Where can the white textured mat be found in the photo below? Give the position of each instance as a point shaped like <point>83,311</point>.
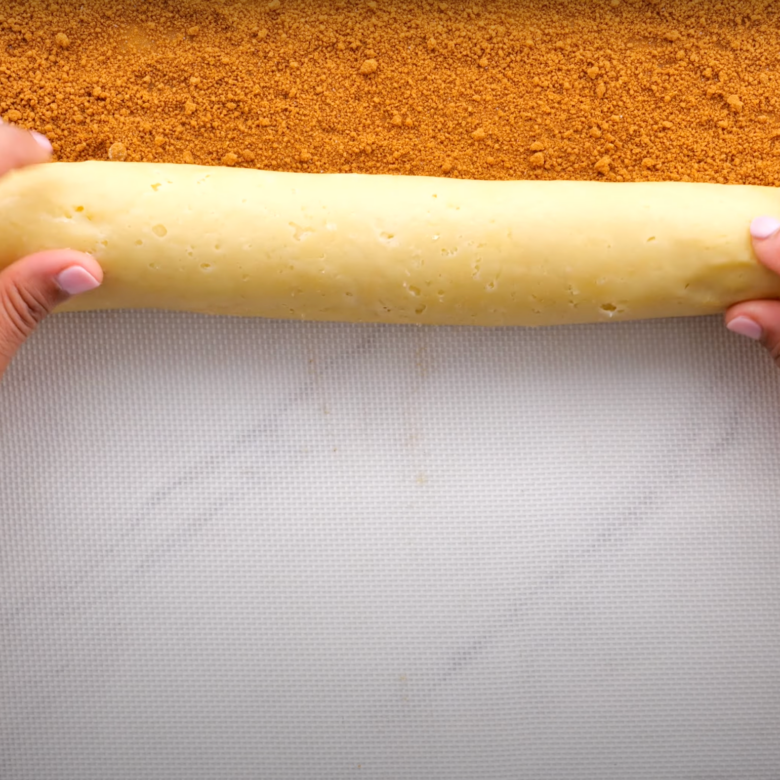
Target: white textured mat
<point>247,549</point>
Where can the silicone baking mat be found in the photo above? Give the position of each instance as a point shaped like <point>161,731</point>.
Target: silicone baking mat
<point>251,549</point>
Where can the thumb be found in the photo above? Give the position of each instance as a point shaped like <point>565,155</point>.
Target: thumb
<point>32,287</point>
<point>760,320</point>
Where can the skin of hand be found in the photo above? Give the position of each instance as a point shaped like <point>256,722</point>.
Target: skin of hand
<point>760,320</point>
<point>32,286</point>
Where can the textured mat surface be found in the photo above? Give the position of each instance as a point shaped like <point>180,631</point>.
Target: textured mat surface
<point>248,549</point>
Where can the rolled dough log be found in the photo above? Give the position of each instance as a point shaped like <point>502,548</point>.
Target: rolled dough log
<point>394,249</point>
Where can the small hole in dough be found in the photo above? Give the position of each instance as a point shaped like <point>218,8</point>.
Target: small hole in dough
<point>414,290</point>
<point>160,230</point>
<point>156,187</point>
<point>205,266</point>
<point>349,295</point>
<point>420,309</point>
<point>79,208</point>
<point>652,238</point>
<point>300,233</point>
<point>610,308</point>
<point>139,242</point>
<point>490,286</point>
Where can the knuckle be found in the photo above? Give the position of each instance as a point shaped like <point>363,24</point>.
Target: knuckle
<point>22,309</point>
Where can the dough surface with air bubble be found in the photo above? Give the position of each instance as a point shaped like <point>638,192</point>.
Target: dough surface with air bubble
<point>395,249</point>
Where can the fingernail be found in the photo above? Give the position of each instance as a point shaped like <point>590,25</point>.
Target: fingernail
<point>746,327</point>
<point>43,141</point>
<point>75,280</point>
<point>763,227</point>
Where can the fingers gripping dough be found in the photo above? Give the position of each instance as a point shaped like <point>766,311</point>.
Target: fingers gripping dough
<point>391,248</point>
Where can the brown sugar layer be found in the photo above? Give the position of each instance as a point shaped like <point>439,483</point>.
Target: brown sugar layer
<point>620,90</point>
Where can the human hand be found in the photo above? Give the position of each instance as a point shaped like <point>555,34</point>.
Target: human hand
<point>32,286</point>
<point>760,320</point>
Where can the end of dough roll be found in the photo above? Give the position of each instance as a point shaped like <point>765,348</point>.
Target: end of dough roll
<point>360,248</point>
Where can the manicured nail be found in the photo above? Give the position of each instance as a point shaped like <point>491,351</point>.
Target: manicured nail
<point>75,280</point>
<point>763,227</point>
<point>43,141</point>
<point>746,327</point>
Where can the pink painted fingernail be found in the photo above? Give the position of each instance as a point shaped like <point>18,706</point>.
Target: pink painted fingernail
<point>75,280</point>
<point>763,227</point>
<point>744,326</point>
<point>43,141</point>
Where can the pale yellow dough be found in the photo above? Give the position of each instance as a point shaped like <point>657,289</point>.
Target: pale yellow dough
<point>391,249</point>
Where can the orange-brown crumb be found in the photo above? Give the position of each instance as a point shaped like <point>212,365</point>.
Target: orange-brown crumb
<point>497,89</point>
